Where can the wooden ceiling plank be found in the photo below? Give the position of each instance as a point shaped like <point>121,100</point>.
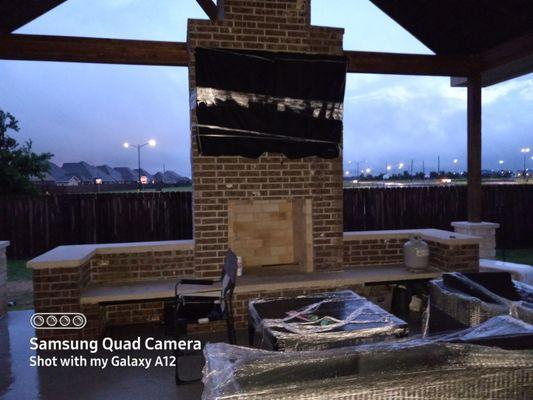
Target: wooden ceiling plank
<point>501,63</point>
<point>17,13</point>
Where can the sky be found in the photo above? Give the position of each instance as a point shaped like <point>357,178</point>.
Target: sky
<point>87,111</point>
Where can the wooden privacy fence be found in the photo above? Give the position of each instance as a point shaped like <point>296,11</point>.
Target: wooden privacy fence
<point>436,207</point>
<point>35,224</point>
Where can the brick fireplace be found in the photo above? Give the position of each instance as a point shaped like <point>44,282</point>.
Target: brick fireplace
<point>273,211</point>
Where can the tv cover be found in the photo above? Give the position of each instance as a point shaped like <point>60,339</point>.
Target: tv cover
<point>252,102</point>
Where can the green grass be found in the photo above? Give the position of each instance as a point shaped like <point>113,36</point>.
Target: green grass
<point>519,256</point>
<point>17,271</point>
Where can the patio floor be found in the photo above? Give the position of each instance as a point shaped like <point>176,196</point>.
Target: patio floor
<point>19,381</point>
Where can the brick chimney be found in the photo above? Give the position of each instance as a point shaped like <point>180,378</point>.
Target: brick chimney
<point>271,210</point>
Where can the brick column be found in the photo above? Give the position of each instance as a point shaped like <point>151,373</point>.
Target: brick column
<point>484,230</point>
<point>57,290</point>
<point>3,278</point>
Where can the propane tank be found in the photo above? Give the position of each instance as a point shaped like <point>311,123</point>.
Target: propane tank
<point>416,254</point>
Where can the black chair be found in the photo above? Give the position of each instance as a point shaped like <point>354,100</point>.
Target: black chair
<point>204,308</point>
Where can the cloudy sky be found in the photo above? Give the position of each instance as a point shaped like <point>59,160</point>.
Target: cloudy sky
<point>86,111</point>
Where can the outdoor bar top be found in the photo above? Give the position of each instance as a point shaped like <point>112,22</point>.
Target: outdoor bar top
<point>75,255</point>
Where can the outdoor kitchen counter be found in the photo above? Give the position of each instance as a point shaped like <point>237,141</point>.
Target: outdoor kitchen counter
<point>254,283</point>
<point>76,255</point>
<point>435,235</point>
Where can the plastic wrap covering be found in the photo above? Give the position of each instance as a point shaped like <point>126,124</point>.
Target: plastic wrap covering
<point>251,102</point>
<point>321,321</point>
<point>467,300</point>
<point>415,369</point>
<point>503,331</point>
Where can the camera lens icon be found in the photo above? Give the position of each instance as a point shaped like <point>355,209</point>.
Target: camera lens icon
<point>67,320</point>
<point>51,320</point>
<point>78,321</point>
<point>37,321</point>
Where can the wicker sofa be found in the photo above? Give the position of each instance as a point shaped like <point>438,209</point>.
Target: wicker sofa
<point>443,367</point>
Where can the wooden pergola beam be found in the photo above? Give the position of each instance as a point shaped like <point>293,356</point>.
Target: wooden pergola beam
<point>92,50</point>
<point>410,64</point>
<point>212,10</point>
<point>17,13</point>
<point>508,61</point>
<point>143,52</point>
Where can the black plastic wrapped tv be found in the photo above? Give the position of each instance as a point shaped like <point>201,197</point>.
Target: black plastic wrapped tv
<point>252,102</point>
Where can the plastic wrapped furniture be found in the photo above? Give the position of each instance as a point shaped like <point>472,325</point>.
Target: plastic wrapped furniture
<point>321,321</point>
<point>431,368</point>
<point>463,300</point>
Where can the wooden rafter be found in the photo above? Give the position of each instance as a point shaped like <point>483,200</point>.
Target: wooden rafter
<point>410,64</point>
<point>504,62</point>
<point>17,13</point>
<point>210,8</point>
<point>92,50</point>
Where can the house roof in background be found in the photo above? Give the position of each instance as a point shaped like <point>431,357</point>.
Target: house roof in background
<point>170,177</point>
<point>127,174</point>
<point>112,172</point>
<point>85,172</point>
<point>144,173</point>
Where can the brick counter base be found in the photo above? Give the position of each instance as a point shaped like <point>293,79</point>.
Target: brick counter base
<point>152,311</point>
<point>383,251</point>
<point>59,290</point>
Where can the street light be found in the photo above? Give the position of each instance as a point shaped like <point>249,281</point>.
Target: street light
<point>400,166</point>
<point>455,161</point>
<point>501,162</point>
<point>127,145</point>
<point>524,151</point>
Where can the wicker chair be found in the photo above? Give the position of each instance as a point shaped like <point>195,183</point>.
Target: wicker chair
<point>465,300</point>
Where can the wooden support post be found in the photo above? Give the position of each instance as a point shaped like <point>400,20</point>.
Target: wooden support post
<point>474,148</point>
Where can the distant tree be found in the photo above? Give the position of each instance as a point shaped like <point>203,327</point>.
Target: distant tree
<point>18,162</point>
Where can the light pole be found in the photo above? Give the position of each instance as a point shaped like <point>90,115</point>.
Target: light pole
<point>455,161</point>
<point>524,151</point>
<point>501,162</point>
<point>150,143</point>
